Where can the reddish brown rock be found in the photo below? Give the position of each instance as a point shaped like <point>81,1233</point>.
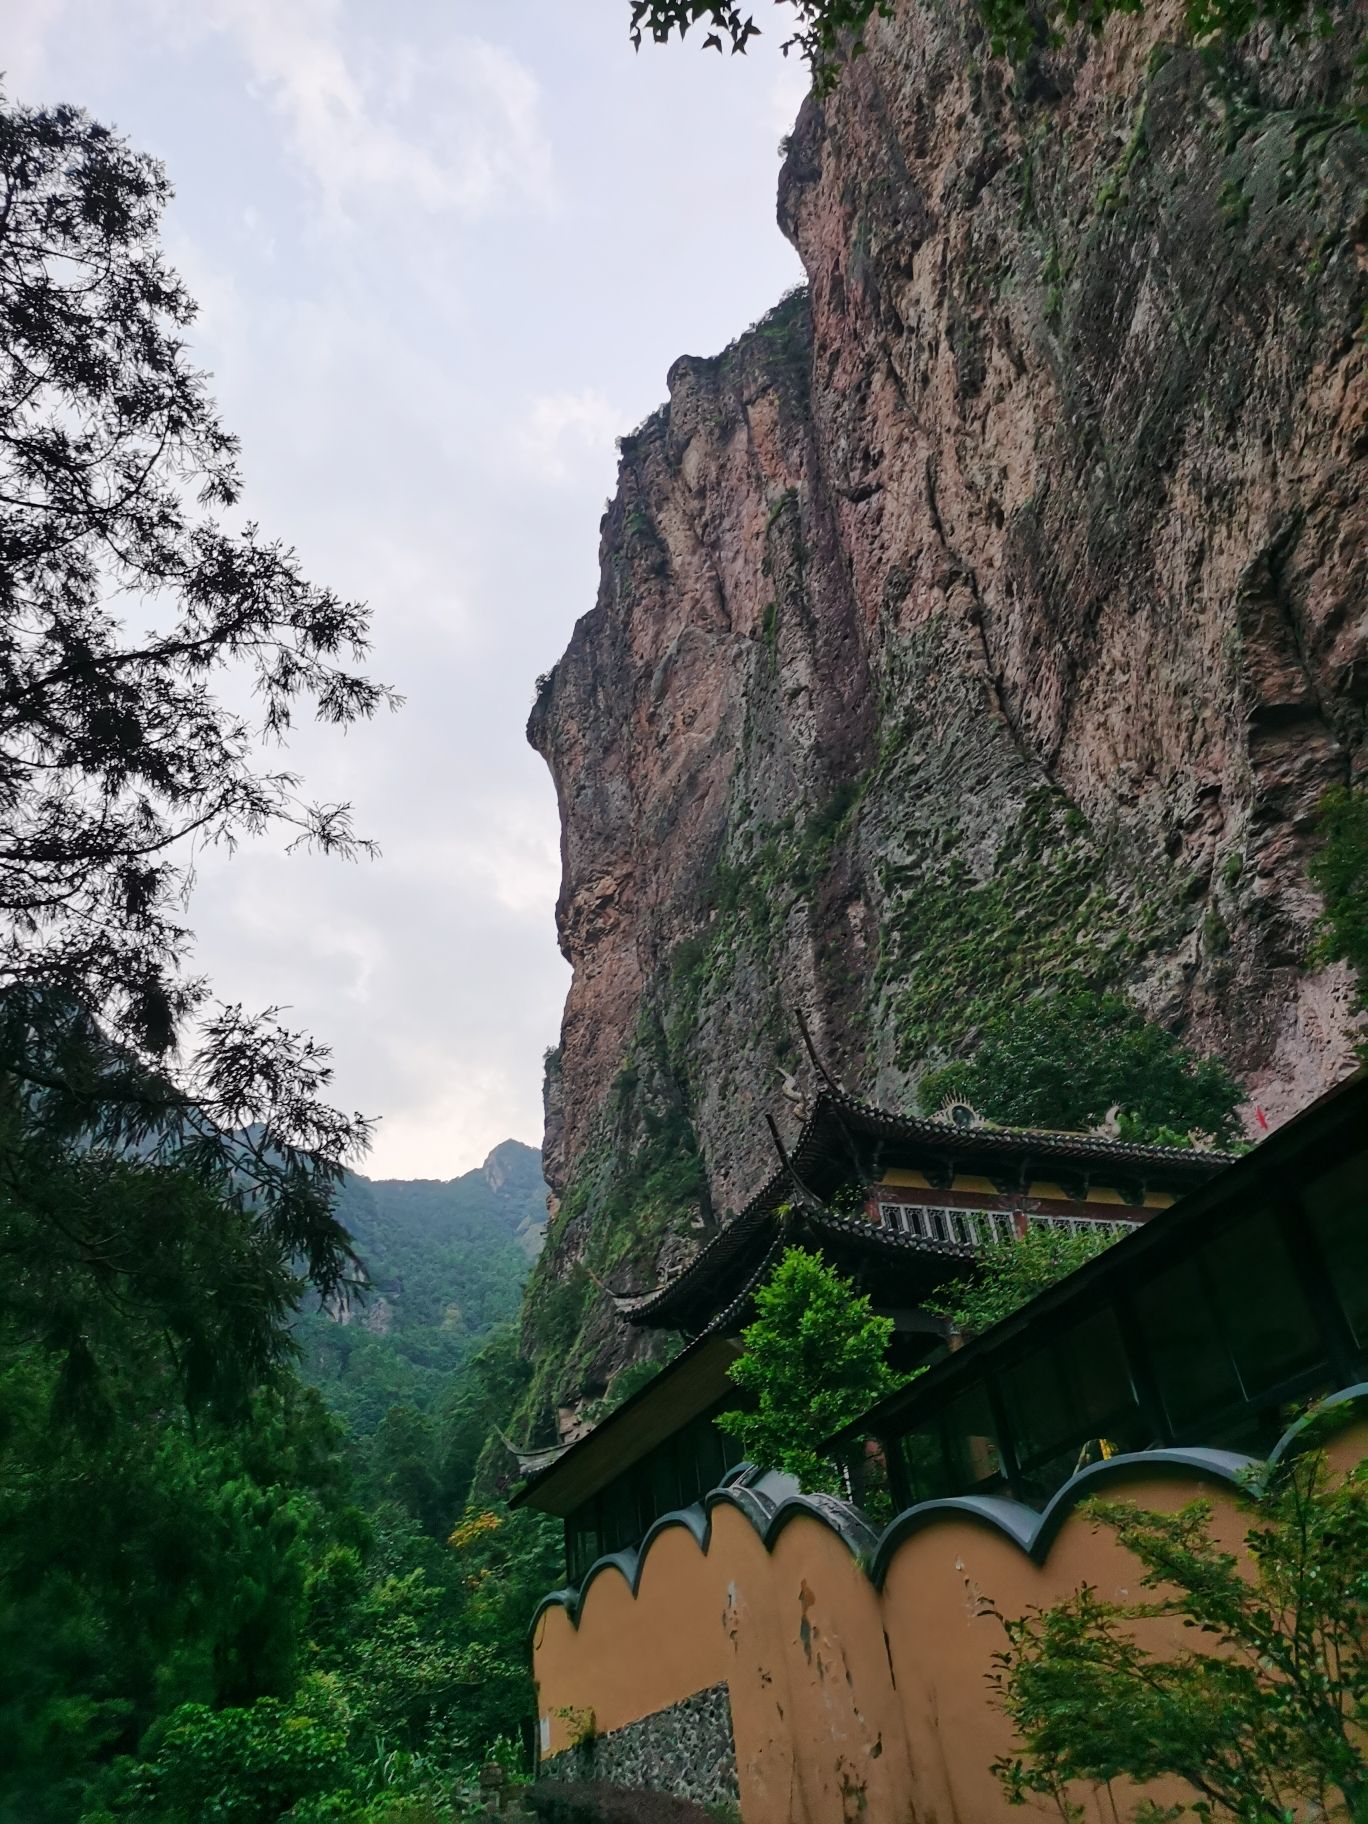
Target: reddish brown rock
<point>995,608</point>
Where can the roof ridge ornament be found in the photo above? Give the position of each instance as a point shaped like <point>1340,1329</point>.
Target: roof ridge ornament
<point>603,1285</point>
<point>791,1092</point>
<point>530,1462</point>
<point>956,1112</point>
<point>817,1064</point>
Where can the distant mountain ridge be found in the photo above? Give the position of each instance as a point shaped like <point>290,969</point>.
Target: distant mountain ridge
<point>445,1261</point>
<point>505,1196</point>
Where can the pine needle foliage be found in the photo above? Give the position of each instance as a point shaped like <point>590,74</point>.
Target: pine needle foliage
<point>815,1358</point>
<point>127,600</point>
<point>1260,1717</point>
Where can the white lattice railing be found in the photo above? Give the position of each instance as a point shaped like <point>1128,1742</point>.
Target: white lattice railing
<point>980,1228</point>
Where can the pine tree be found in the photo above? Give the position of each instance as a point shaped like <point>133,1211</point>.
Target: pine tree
<point>124,600</point>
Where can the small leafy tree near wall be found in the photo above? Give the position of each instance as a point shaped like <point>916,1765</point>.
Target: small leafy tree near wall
<point>815,1358</point>
<point>1264,1722</point>
<point>1010,1273</point>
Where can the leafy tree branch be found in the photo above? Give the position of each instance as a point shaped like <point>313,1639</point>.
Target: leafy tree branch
<point>125,601</point>
<point>1260,1716</point>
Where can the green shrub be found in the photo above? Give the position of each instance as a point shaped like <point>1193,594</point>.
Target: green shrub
<point>1258,1712</point>
<point>1062,1060</point>
<point>237,1766</point>
<point>1008,1274</point>
<point>815,1357</point>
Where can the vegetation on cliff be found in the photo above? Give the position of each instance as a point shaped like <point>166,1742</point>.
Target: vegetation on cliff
<point>1340,871</point>
<point>828,32</point>
<point>640,1183</point>
<point>1071,1059</point>
<point>958,950</point>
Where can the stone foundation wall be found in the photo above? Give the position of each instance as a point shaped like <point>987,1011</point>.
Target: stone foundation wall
<point>686,1750</point>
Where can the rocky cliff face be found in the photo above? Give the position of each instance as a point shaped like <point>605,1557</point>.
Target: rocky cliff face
<point>993,608</point>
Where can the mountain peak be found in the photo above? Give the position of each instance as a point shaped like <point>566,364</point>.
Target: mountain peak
<point>512,1162</point>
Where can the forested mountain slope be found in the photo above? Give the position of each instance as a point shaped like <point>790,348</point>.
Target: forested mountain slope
<point>445,1262</point>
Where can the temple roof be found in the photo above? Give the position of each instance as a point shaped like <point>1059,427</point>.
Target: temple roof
<point>753,1245</point>
<point>837,1142</point>
<point>695,1381</point>
<point>835,1109</point>
<point>1320,1133</point>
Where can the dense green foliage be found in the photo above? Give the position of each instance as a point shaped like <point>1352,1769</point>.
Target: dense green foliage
<point>639,1179</point>
<point>1260,1716</point>
<point>1008,1275</point>
<point>1064,1060</point>
<point>827,32</point>
<point>1340,871</point>
<point>445,1262</point>
<point>815,1357</point>
<point>234,1609</point>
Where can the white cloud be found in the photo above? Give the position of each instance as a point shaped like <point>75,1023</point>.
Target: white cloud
<point>564,431</point>
<point>460,1112</point>
<point>454,128</point>
<point>450,124</point>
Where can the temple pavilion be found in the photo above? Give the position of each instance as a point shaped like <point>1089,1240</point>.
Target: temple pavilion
<point>897,1203</point>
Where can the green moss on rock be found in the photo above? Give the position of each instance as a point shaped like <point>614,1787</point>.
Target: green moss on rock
<point>955,950</point>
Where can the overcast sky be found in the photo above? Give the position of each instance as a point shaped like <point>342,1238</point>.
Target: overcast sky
<point>445,251</point>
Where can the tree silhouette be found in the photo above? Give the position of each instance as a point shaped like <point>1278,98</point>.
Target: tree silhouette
<point>124,601</point>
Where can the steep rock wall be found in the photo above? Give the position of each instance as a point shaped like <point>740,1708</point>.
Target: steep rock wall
<point>993,608</point>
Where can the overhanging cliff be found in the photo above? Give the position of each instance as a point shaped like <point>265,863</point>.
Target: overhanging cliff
<point>992,609</point>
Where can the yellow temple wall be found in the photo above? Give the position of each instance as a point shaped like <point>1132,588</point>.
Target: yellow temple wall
<point>847,1701</point>
<point>796,1634</point>
<point>941,1642</point>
